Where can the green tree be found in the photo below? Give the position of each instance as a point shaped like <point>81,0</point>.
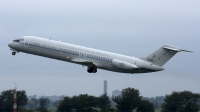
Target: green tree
<point>184,101</point>
<point>30,104</point>
<point>47,103</point>
<point>104,103</point>
<point>36,101</point>
<point>145,106</point>
<point>84,102</point>
<point>42,104</point>
<point>55,103</point>
<point>33,103</point>
<point>65,105</point>
<point>7,98</point>
<point>81,103</point>
<point>128,100</point>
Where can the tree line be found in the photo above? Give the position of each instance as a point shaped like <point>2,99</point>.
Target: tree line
<point>129,101</point>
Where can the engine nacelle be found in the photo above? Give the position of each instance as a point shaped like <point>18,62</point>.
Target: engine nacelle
<point>123,65</point>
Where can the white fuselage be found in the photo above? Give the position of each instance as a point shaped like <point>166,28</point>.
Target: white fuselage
<point>82,55</point>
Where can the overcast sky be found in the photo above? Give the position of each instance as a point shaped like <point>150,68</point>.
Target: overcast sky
<point>134,28</point>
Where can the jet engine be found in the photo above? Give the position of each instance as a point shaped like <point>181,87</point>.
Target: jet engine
<point>123,65</point>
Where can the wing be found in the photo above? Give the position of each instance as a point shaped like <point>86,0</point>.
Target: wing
<point>84,62</point>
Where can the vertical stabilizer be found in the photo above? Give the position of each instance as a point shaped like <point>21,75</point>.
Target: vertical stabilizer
<point>162,55</point>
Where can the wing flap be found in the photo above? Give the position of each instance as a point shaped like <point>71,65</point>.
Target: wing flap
<point>84,62</point>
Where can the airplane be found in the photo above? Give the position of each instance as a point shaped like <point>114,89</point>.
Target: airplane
<point>92,58</point>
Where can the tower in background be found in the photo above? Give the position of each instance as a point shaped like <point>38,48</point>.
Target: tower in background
<point>15,100</point>
<point>105,87</point>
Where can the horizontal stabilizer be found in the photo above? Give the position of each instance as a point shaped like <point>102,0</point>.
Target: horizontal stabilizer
<point>175,49</point>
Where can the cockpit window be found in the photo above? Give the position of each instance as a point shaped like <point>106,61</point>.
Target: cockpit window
<point>21,39</point>
<point>17,40</point>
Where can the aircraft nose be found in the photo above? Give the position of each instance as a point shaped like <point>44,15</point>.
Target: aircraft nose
<point>10,44</point>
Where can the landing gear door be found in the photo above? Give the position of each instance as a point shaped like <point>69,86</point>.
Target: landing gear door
<point>26,42</point>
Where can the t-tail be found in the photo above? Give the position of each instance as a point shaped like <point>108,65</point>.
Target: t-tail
<point>162,55</point>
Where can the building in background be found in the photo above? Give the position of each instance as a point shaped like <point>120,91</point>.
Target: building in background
<point>116,93</point>
<point>53,98</point>
<point>105,87</point>
<point>30,97</point>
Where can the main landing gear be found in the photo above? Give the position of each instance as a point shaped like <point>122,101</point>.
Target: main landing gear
<point>92,69</point>
<point>13,53</point>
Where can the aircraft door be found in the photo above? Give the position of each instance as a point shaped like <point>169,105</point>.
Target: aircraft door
<point>26,42</point>
<point>81,53</point>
